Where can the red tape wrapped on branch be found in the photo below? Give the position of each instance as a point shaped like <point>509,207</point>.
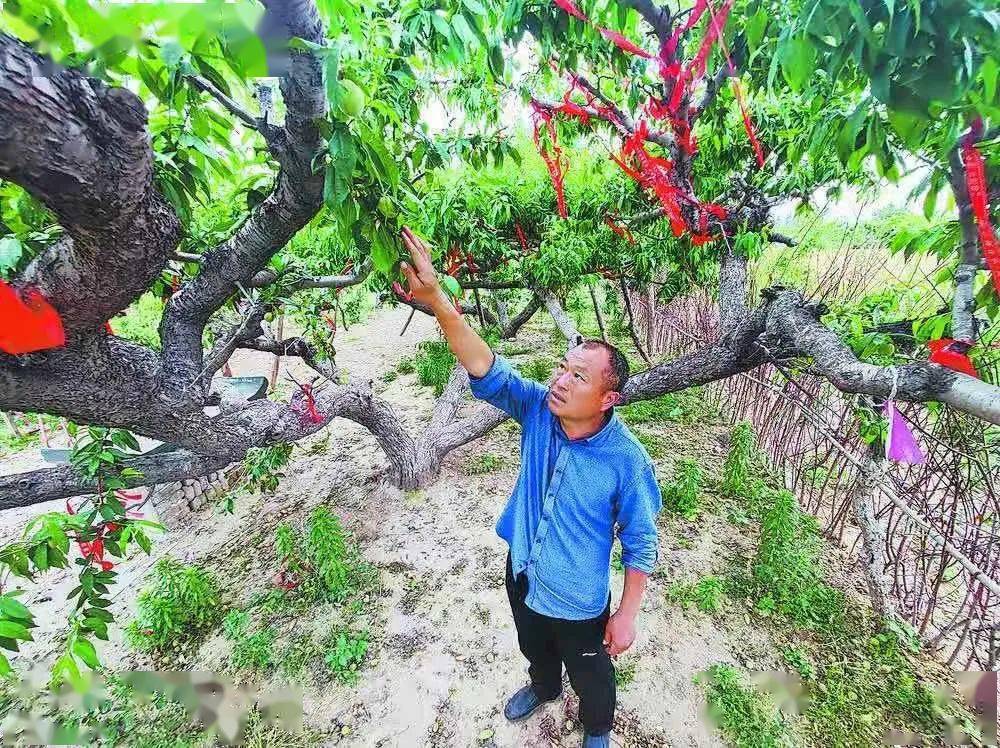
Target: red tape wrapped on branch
<point>975,180</point>
<point>952,354</point>
<point>555,162</point>
<point>28,322</point>
<point>620,229</point>
<point>521,238</point>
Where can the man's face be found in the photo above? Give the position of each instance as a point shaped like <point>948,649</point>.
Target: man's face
<point>578,388</point>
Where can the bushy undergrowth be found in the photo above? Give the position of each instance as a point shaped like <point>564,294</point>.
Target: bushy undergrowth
<point>179,607</point>
<point>861,671</point>
<point>686,406</point>
<point>707,594</point>
<point>433,364</point>
<point>746,716</point>
<point>321,573</point>
<point>680,496</point>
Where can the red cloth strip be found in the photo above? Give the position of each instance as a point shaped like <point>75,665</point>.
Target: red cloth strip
<point>569,7</point>
<point>975,181</point>
<point>624,44</point>
<point>28,322</point>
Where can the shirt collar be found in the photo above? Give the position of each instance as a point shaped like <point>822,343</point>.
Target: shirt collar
<point>598,437</point>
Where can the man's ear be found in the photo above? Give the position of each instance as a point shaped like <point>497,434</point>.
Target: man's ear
<point>610,399</point>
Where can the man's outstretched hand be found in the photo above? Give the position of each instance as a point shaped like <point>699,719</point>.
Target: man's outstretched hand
<point>420,274</point>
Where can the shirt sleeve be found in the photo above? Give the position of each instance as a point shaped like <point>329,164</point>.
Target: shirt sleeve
<point>638,506</point>
<point>507,390</point>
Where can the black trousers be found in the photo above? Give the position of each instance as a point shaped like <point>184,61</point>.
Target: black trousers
<point>547,643</point>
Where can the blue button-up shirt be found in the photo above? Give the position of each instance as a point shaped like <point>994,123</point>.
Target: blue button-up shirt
<point>571,493</point>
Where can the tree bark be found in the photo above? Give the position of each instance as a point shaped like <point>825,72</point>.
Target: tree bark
<point>598,314</point>
<point>873,560</point>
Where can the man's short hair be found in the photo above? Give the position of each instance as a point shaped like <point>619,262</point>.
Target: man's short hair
<point>617,373</point>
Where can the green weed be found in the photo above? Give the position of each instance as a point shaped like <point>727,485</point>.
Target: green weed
<point>261,469</point>
<point>319,560</point>
<point>433,364</point>
<point>681,496</point>
<point>653,444</point>
<point>390,376</point>
<point>745,716</point>
<point>300,651</point>
<point>686,406</point>
<point>182,603</point>
<point>484,462</point>
<point>345,653</point>
<point>799,660</point>
<point>737,472</point>
<point>406,366</point>
<point>786,576</point>
<point>625,673</point>
<point>254,651</point>
<point>539,369</point>
<point>708,594</point>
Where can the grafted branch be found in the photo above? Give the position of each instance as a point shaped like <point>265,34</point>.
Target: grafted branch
<point>296,197</point>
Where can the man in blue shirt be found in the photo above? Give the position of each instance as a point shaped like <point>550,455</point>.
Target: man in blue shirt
<point>583,478</point>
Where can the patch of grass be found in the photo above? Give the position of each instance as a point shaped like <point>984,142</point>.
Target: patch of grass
<point>182,603</point>
<point>745,716</point>
<point>539,369</point>
<point>254,651</point>
<point>686,406</point>
<point>786,577</point>
<point>406,366</point>
<point>625,673</point>
<point>616,557</point>
<point>297,655</point>
<point>345,653</point>
<point>390,376</point>
<point>514,349</point>
<point>27,426</point>
<point>681,495</point>
<point>484,462</point>
<point>707,594</point>
<point>433,364</point>
<point>799,661</point>
<point>653,444</point>
<point>737,473</point>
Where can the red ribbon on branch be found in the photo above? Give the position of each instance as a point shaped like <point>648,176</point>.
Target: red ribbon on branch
<point>975,181</point>
<point>28,322</point>
<point>521,238</point>
<point>618,228</point>
<point>556,162</point>
<point>951,353</point>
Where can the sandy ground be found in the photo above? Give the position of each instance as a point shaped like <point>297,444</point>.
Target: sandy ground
<point>444,655</point>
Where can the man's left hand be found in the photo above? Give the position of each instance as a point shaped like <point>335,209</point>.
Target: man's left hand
<point>619,633</point>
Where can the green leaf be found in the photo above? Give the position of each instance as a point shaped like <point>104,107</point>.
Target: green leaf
<point>5,668</point>
<point>476,7</point>
<point>460,25</point>
<point>84,649</point>
<point>755,28</point>
<point>12,608</point>
<point>10,252</point>
<point>798,60</point>
<point>988,72</point>
<point>331,74</point>
<point>384,254</point>
<point>452,286</point>
<point>13,630</point>
<point>441,24</point>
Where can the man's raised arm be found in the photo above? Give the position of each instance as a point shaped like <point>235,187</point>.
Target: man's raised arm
<point>470,349</point>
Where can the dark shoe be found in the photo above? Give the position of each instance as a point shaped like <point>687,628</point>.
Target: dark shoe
<point>523,703</point>
<point>597,741</point>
